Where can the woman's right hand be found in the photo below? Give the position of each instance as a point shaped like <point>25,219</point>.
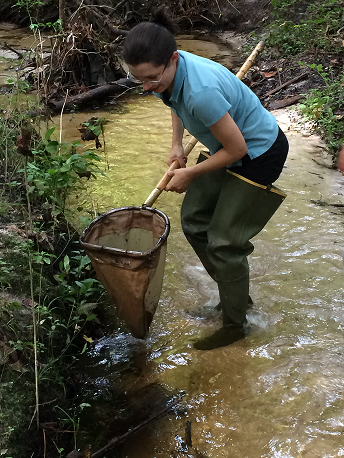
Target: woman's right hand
<point>177,154</point>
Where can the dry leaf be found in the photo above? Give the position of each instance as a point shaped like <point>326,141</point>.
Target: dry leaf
<point>269,74</point>
<point>18,367</point>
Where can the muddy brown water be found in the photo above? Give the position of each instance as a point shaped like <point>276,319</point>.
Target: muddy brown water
<point>278,392</point>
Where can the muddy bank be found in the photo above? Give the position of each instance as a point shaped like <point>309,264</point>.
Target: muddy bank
<point>240,15</point>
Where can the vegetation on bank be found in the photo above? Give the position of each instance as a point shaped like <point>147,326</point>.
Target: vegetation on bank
<point>49,301</point>
<point>48,297</point>
<point>312,32</point>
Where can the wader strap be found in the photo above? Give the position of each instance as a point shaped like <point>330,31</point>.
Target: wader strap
<point>269,187</point>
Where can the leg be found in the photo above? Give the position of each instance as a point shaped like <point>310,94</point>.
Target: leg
<point>197,210</point>
<point>242,210</point>
<point>221,212</point>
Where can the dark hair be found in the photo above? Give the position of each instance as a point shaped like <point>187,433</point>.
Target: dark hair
<point>149,42</point>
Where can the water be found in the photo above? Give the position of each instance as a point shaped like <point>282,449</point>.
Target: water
<point>24,41</point>
<point>278,392</point>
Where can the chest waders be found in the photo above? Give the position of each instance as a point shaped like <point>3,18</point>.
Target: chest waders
<point>221,212</point>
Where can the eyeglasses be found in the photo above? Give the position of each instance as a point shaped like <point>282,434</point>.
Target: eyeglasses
<point>136,80</point>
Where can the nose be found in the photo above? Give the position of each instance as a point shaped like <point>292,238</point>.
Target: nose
<point>147,86</point>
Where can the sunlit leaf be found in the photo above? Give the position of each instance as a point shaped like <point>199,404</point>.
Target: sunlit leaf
<point>49,133</point>
<point>88,339</point>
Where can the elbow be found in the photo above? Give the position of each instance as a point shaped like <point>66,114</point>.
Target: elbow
<point>241,151</point>
<point>244,150</point>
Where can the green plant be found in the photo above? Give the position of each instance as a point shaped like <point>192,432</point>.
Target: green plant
<point>320,107</point>
<point>56,26</point>
<point>21,86</point>
<point>5,271</point>
<point>57,168</point>
<point>29,5</point>
<point>292,31</point>
<point>79,291</point>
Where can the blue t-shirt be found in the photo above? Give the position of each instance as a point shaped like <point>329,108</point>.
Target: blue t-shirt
<point>204,91</point>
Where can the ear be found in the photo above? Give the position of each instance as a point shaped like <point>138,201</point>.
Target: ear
<point>175,57</point>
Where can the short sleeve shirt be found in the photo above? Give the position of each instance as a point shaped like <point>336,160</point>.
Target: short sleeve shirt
<point>204,91</point>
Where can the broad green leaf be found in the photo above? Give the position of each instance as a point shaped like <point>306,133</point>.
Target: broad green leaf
<point>91,317</point>
<point>52,147</point>
<point>49,133</point>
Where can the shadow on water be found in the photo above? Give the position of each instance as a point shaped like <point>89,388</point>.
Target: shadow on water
<point>276,393</point>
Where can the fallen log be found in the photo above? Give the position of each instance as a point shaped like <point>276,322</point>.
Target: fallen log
<point>123,84</point>
<point>287,83</point>
<point>286,102</point>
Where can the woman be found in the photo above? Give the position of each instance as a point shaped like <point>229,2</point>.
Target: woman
<point>228,192</point>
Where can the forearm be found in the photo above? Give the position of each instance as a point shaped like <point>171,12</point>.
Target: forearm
<point>221,158</point>
<point>234,148</point>
<point>177,130</point>
<point>183,177</point>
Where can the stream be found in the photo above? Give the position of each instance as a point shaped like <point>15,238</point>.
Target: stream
<point>278,392</point>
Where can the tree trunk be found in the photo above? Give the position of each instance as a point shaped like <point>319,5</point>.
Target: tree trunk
<point>101,92</point>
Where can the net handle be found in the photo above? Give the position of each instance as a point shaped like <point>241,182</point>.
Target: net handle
<point>192,142</point>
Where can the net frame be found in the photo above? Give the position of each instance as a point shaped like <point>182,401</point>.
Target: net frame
<point>132,277</point>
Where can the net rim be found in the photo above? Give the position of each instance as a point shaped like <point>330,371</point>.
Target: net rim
<point>129,253</point>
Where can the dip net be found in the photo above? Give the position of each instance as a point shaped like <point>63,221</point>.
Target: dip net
<point>127,248</point>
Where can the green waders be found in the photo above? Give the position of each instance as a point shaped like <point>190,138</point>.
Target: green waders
<point>221,212</point>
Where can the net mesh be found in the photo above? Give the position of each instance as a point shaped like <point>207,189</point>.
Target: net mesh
<point>127,248</point>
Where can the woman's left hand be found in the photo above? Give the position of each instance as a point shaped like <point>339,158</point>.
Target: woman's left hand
<point>181,178</point>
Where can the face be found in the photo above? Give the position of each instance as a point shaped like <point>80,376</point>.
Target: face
<point>157,79</point>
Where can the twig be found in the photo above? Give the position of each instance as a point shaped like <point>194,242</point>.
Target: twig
<point>119,4</point>
<point>218,7</point>
<point>62,109</point>
<point>207,19</point>
<point>47,402</point>
<point>97,6</point>
<point>279,76</point>
<point>45,443</point>
<point>117,440</point>
<point>236,9</point>
<point>76,11</point>
<point>293,80</point>
<point>19,54</point>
